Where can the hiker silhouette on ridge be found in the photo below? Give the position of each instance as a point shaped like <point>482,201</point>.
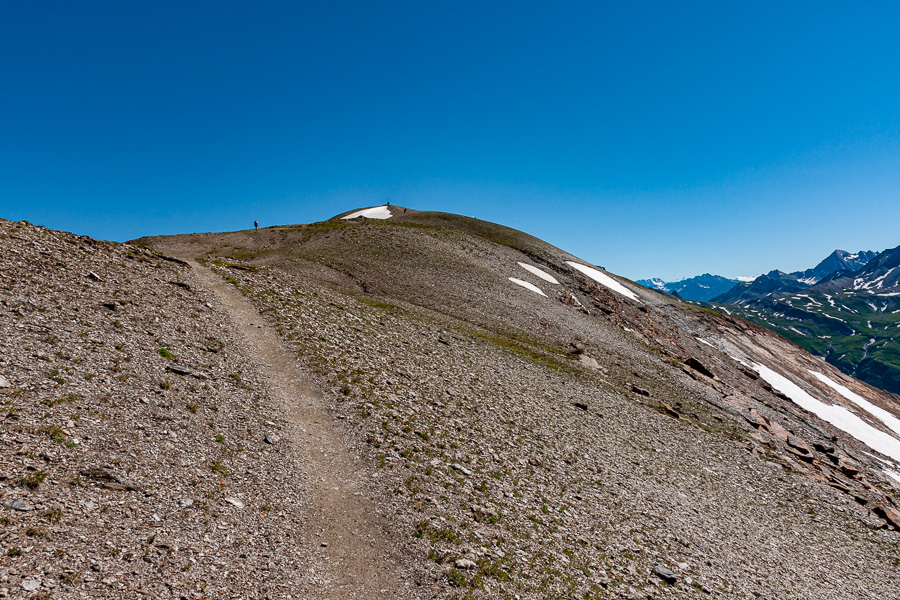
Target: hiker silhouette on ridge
<point>256,225</point>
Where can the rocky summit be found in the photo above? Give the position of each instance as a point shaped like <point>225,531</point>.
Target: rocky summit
<point>408,404</point>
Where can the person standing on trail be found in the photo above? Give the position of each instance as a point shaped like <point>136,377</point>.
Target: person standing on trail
<point>256,225</point>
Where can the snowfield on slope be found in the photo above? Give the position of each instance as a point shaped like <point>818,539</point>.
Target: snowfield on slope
<point>376,212</point>
<point>603,279</point>
<point>839,416</point>
<point>528,286</point>
<point>539,272</point>
<point>884,416</point>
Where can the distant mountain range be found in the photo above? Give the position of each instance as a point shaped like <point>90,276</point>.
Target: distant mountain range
<point>846,309</point>
<point>849,317</point>
<point>702,288</point>
<point>715,288</point>
<point>778,282</point>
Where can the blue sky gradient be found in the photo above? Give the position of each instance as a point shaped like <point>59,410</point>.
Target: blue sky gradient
<point>653,138</point>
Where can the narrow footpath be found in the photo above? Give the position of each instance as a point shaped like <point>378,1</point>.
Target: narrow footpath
<point>352,544</point>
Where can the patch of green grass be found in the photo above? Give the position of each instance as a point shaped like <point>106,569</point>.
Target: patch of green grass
<point>456,578</point>
<point>237,266</point>
<point>33,480</point>
<point>166,354</point>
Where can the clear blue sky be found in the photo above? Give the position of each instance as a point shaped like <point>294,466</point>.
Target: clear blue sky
<point>654,138</point>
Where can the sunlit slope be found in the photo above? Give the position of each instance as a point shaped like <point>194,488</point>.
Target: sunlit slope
<point>567,428</point>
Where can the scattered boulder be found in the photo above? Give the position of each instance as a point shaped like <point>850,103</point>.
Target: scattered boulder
<point>798,445</point>
<point>20,505</point>
<point>465,564</point>
<point>640,391</point>
<point>462,469</point>
<point>665,574</point>
<point>889,514</point>
<point>588,361</point>
<point>699,367</point>
<point>178,369</point>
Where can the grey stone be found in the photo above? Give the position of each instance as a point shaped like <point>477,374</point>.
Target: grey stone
<point>462,469</point>
<point>17,505</point>
<point>665,574</point>
<point>178,369</point>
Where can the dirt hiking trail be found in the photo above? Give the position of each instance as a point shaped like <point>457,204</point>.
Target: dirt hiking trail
<point>352,544</point>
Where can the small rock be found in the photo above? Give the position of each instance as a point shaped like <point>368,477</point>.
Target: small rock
<point>670,411</point>
<point>798,444</point>
<point>271,438</point>
<point>94,276</point>
<point>17,505</point>
<point>185,502</point>
<point>889,514</point>
<point>4,382</point>
<point>823,448</point>
<point>581,405</point>
<point>462,469</point>
<point>699,367</point>
<point>465,564</point>
<point>29,585</point>
<point>639,390</point>
<point>665,574</point>
<point>234,502</point>
<point>324,544</point>
<point>589,361</point>
<point>178,370</point>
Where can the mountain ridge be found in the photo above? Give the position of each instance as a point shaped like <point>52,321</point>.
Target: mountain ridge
<point>715,288</point>
<point>850,318</point>
<point>595,439</point>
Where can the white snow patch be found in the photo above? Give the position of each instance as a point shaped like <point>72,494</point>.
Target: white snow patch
<point>839,416</point>
<point>603,279</point>
<point>539,272</point>
<point>809,280</point>
<point>702,341</point>
<point>747,279</point>
<point>882,415</point>
<point>892,474</point>
<point>376,212</point>
<point>528,286</point>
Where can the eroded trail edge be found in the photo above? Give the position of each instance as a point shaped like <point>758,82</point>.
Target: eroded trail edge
<point>351,543</point>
